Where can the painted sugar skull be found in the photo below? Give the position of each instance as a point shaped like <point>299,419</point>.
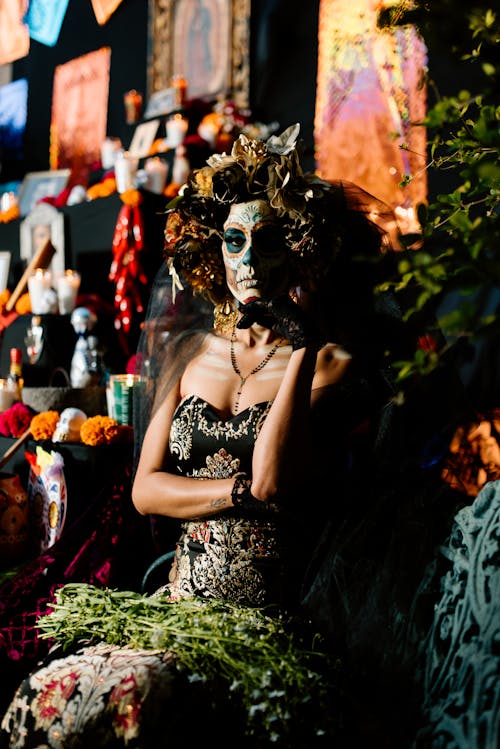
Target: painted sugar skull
<point>69,425</point>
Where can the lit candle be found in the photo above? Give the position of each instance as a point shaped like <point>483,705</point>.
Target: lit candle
<point>133,106</point>
<point>120,399</point>
<point>156,175</point>
<point>7,395</point>
<point>176,128</point>
<point>67,287</point>
<point>125,171</point>
<point>39,289</point>
<point>109,149</point>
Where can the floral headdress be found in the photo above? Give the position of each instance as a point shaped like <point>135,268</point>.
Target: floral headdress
<point>305,206</point>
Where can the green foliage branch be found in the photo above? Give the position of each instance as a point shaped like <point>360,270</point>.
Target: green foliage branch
<point>457,254</point>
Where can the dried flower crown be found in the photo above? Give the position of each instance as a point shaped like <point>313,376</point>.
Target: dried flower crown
<point>305,207</point>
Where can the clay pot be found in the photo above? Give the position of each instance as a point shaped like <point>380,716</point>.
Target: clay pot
<point>14,520</point>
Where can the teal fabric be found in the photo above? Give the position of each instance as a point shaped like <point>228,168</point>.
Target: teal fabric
<point>461,653</point>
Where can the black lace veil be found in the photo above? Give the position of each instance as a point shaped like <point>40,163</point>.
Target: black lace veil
<point>337,234</point>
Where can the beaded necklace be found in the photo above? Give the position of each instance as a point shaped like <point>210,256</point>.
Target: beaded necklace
<point>237,370</point>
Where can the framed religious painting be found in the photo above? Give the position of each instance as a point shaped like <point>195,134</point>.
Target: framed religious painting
<point>206,42</point>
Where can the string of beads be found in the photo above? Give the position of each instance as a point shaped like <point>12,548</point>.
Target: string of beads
<point>256,369</point>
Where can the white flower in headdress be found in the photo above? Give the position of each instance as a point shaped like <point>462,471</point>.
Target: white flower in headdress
<point>285,143</point>
<point>220,160</point>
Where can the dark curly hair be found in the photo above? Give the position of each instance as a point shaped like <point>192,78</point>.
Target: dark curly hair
<point>313,214</point>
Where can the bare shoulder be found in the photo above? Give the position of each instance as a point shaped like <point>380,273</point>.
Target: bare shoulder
<point>332,364</point>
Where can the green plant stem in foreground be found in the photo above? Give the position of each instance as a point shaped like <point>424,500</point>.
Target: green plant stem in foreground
<point>262,658</point>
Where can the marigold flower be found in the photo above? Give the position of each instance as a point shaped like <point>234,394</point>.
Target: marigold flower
<point>23,304</point>
<point>4,298</point>
<point>43,425</point>
<point>10,214</point>
<point>100,430</point>
<point>102,189</point>
<point>131,197</point>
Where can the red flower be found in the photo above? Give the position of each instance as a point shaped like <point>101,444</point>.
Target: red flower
<point>427,342</point>
<point>15,420</point>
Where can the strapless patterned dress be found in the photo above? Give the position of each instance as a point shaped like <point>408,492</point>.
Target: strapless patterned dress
<point>233,556</point>
<point>108,696</point>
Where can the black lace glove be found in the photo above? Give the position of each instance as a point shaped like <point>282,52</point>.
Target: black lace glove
<point>283,316</point>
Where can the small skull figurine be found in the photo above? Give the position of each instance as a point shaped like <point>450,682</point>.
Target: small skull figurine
<point>69,425</point>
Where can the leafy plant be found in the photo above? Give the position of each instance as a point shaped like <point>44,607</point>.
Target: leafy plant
<point>455,268</point>
<point>278,673</point>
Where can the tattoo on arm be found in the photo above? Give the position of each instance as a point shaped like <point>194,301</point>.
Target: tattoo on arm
<point>216,504</point>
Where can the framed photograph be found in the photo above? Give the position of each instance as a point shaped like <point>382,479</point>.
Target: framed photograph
<point>205,41</point>
<point>42,223</point>
<point>143,139</point>
<point>161,102</point>
<point>38,185</point>
<point>4,270</point>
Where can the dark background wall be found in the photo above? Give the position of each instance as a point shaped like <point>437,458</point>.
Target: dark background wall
<point>126,35</point>
<point>282,61</point>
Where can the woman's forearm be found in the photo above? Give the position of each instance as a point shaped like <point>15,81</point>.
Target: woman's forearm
<point>161,493</point>
<point>282,451</point>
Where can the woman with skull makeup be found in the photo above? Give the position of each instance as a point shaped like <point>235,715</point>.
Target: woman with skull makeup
<point>262,365</point>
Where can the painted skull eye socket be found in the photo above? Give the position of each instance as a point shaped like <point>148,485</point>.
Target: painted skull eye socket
<point>268,240</point>
<point>234,240</point>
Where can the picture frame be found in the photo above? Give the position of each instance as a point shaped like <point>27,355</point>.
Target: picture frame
<point>143,138</point>
<point>222,35</point>
<point>42,223</point>
<point>161,102</point>
<point>4,269</point>
<point>38,185</point>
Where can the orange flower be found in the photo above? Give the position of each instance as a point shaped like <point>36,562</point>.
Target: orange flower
<point>100,430</point>
<point>23,304</point>
<point>159,146</point>
<point>102,189</point>
<point>4,298</point>
<point>172,190</point>
<point>10,214</point>
<point>43,425</point>
<point>131,197</point>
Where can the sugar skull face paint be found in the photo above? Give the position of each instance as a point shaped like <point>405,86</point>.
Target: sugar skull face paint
<point>254,254</point>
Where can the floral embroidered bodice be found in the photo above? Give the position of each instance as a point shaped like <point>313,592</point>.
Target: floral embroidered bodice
<point>233,556</point>
<point>205,446</point>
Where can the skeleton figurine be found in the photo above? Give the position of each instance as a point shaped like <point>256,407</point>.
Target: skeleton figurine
<point>82,320</point>
<point>69,425</point>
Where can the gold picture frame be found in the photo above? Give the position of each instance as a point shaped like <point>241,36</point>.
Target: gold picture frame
<point>169,35</point>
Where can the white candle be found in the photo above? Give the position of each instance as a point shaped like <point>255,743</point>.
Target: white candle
<point>67,286</point>
<point>7,395</point>
<point>125,171</point>
<point>39,289</point>
<point>176,129</point>
<point>180,167</point>
<point>156,175</point>
<point>109,149</point>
